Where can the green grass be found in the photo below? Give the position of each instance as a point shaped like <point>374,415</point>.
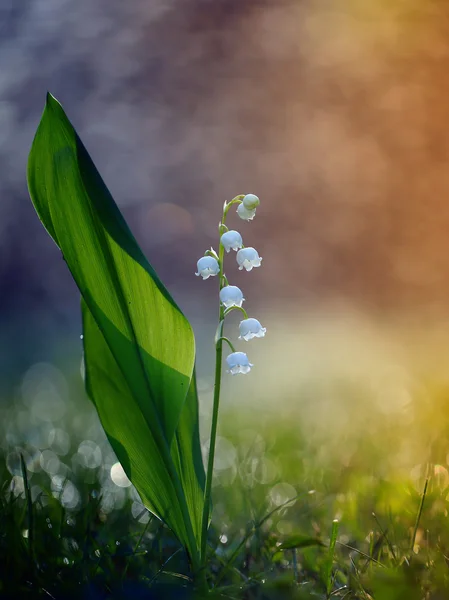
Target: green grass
<point>273,536</point>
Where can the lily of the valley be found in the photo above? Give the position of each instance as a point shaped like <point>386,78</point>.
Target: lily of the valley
<point>207,267</point>
<point>244,213</point>
<point>231,295</point>
<point>238,362</point>
<point>250,201</point>
<point>248,258</point>
<point>251,328</point>
<point>231,240</point>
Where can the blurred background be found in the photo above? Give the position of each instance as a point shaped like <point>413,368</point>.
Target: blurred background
<point>335,114</point>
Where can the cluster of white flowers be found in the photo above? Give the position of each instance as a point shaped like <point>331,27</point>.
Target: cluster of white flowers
<point>231,296</point>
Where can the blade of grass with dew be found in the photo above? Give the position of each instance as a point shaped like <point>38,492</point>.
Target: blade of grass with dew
<point>384,536</point>
<point>139,347</point>
<point>330,558</point>
<point>420,509</point>
<point>30,509</point>
<point>367,556</point>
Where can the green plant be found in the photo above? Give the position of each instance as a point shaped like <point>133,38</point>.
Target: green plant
<point>139,349</point>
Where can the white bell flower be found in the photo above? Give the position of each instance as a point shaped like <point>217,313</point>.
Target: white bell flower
<point>244,213</point>
<point>207,266</point>
<point>231,240</point>
<point>231,295</point>
<point>251,328</point>
<point>238,363</point>
<point>248,258</point>
<point>250,201</point>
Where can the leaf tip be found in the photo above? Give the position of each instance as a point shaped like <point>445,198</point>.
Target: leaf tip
<point>51,101</point>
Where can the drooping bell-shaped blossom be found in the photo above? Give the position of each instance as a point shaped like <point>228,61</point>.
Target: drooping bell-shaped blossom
<point>207,267</point>
<point>248,258</point>
<point>250,201</point>
<point>244,213</point>
<point>231,295</point>
<point>231,240</point>
<point>251,328</point>
<point>238,362</point>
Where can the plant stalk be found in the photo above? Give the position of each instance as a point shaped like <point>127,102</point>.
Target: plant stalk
<point>211,458</point>
<point>216,405</point>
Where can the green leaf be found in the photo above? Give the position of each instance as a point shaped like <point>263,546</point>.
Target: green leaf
<point>144,462</point>
<point>117,282</point>
<point>300,541</point>
<point>139,347</point>
<point>188,459</point>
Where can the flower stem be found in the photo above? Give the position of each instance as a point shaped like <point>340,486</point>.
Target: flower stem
<point>228,205</point>
<point>213,438</point>
<point>240,308</point>
<point>216,404</point>
<point>228,341</point>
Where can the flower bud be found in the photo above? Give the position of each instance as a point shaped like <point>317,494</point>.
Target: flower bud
<point>207,266</point>
<point>231,295</point>
<point>238,363</point>
<point>251,328</point>
<point>231,240</point>
<point>250,202</point>
<point>248,258</point>
<point>244,213</point>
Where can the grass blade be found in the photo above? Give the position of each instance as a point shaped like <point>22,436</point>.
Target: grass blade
<point>420,510</point>
<point>330,558</point>
<point>30,510</point>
